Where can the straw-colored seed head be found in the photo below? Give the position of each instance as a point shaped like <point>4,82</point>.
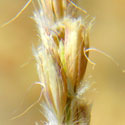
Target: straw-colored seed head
<point>61,62</point>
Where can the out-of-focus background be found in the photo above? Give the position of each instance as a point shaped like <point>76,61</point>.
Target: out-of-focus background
<point>18,69</point>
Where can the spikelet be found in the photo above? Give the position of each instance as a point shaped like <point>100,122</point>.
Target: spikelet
<point>61,62</point>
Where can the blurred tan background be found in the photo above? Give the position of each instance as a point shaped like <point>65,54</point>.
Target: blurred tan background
<point>18,69</point>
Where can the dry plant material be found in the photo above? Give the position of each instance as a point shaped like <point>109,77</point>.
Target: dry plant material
<point>61,62</point>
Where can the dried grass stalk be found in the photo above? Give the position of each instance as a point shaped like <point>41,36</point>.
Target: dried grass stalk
<point>61,62</point>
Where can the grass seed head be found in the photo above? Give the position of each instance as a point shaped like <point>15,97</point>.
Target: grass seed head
<point>61,62</point>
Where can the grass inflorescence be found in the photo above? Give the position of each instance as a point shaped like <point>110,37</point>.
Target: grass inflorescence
<point>62,62</point>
